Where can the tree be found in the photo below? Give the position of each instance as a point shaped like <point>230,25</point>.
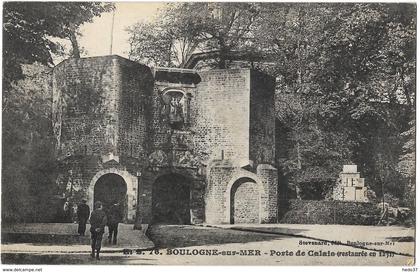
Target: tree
<point>186,28</point>
<point>348,59</point>
<point>407,164</point>
<point>28,167</point>
<point>346,75</point>
<point>368,47</point>
<point>159,45</point>
<point>28,29</point>
<point>314,155</point>
<point>28,163</point>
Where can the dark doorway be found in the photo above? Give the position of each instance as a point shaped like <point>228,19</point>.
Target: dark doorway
<point>171,200</point>
<point>244,202</point>
<point>111,189</point>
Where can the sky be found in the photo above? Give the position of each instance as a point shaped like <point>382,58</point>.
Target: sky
<point>96,36</point>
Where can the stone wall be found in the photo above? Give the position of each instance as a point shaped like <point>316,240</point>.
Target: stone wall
<point>221,119</point>
<point>262,119</point>
<point>245,201</point>
<point>98,106</point>
<point>213,128</point>
<point>222,180</point>
<point>190,175</point>
<point>238,108</point>
<point>136,83</point>
<point>84,91</point>
<point>99,123</point>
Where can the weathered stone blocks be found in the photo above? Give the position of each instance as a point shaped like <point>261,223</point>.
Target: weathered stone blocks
<point>215,129</point>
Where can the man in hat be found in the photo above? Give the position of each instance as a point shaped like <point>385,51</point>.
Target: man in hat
<point>97,227</point>
<point>83,212</point>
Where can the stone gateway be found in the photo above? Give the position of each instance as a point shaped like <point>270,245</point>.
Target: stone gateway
<point>175,146</point>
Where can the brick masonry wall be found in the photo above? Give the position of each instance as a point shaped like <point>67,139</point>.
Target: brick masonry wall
<point>218,176</point>
<point>245,201</point>
<point>108,116</point>
<point>221,118</point>
<point>136,83</point>
<point>262,119</point>
<point>147,180</point>
<point>222,179</point>
<point>82,106</point>
<point>77,173</point>
<point>218,120</point>
<point>98,106</point>
<point>255,121</point>
<point>269,200</point>
<point>171,151</point>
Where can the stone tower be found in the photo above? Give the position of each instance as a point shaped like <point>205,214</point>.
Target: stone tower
<point>170,145</point>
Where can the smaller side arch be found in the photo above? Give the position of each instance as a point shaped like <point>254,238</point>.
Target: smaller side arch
<point>228,193</point>
<point>131,182</point>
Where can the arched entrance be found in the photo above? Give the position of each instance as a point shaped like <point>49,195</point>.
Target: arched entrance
<point>171,200</point>
<point>131,183</point>
<point>244,201</point>
<point>110,189</point>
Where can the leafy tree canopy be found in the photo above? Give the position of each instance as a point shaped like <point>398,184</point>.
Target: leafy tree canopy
<point>28,29</point>
<point>185,28</point>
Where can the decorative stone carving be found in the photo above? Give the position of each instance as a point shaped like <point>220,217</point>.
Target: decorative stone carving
<point>158,159</point>
<point>110,157</point>
<point>181,139</point>
<point>188,160</point>
<point>175,108</point>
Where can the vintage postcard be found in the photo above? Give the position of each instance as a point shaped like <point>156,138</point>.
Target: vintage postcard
<point>208,133</point>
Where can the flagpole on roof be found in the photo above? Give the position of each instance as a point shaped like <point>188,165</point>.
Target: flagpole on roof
<point>112,31</point>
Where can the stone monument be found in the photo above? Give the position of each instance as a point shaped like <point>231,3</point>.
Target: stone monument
<point>350,186</point>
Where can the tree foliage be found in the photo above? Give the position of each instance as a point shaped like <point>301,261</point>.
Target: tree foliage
<point>29,31</point>
<point>185,28</point>
<point>28,162</point>
<point>345,92</point>
<point>346,76</point>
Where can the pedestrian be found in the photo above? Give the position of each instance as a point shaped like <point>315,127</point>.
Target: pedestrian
<point>74,213</point>
<point>83,212</point>
<point>66,212</point>
<point>97,227</point>
<point>114,218</point>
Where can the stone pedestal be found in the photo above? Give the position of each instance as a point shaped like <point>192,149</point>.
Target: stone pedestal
<point>350,186</point>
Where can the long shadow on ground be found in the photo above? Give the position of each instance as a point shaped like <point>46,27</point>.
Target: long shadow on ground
<point>170,236</point>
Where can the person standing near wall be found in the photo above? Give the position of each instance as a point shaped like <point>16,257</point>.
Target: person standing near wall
<point>67,211</point>
<point>83,212</point>
<point>115,216</point>
<point>98,221</point>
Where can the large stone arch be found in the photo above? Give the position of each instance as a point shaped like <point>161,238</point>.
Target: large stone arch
<point>172,189</point>
<point>238,175</point>
<point>131,182</point>
<point>178,171</point>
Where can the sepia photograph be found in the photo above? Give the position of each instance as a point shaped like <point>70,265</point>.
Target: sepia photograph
<point>208,133</point>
